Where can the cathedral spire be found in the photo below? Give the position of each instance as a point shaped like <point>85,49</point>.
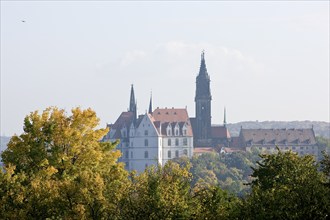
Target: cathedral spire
<point>224,118</point>
<point>202,69</point>
<point>132,104</point>
<point>150,104</point>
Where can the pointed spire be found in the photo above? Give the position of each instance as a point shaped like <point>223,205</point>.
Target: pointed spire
<point>224,118</point>
<point>202,69</point>
<point>132,105</point>
<point>150,104</point>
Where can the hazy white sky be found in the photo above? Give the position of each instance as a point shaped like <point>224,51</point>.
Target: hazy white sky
<point>266,60</point>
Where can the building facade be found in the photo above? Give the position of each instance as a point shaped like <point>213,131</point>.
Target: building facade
<point>152,138</point>
<point>301,141</point>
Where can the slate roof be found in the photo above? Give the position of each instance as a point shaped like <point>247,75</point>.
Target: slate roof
<point>277,136</point>
<point>124,120</point>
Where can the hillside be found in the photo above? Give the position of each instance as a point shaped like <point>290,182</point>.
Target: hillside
<point>320,128</point>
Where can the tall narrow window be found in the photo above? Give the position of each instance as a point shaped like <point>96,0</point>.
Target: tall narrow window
<point>169,154</point>
<point>146,154</point>
<point>176,142</point>
<point>169,142</point>
<point>185,152</point>
<point>176,153</point>
<point>146,132</point>
<point>126,154</point>
<point>146,142</point>
<point>185,142</point>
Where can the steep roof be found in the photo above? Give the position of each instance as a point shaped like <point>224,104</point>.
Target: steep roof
<point>170,114</point>
<point>278,136</point>
<point>164,117</point>
<point>124,120</point>
<point>219,132</point>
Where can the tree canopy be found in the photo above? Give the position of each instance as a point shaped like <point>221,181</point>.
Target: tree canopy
<point>59,169</point>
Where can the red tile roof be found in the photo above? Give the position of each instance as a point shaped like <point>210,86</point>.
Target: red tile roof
<point>219,132</point>
<point>164,117</point>
<point>202,150</point>
<point>277,136</point>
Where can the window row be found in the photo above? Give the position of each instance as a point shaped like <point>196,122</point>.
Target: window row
<point>169,154</point>
<point>176,132</point>
<point>184,142</point>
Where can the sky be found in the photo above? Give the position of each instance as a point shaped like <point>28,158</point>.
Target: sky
<point>267,60</point>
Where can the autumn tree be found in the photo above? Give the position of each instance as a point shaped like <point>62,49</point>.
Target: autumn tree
<point>58,167</point>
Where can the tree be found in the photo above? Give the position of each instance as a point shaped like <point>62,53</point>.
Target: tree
<point>287,186</point>
<point>212,202</point>
<point>159,193</point>
<point>58,167</point>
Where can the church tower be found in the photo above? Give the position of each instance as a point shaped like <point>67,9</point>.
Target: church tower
<point>203,103</point>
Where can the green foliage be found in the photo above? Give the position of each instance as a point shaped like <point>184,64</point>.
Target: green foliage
<point>229,171</point>
<point>159,193</point>
<point>212,202</point>
<point>287,186</point>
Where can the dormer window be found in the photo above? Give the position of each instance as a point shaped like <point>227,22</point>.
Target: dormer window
<point>177,132</point>
<point>169,131</point>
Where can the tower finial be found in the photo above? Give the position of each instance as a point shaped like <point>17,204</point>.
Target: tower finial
<point>150,103</point>
<point>203,53</point>
<point>132,105</point>
<point>224,118</point>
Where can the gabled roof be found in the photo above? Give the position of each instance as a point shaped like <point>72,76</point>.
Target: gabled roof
<point>278,136</point>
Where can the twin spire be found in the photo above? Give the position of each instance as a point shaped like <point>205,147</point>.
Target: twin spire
<point>133,103</point>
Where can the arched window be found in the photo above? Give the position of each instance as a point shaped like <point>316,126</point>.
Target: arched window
<point>176,141</point>
<point>176,153</point>
<point>146,154</point>
<point>185,152</point>
<point>169,142</point>
<point>169,154</point>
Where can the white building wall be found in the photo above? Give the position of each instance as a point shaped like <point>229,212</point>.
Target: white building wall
<point>145,139</point>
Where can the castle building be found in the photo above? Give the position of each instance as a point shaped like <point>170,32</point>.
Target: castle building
<point>206,134</point>
<point>301,141</point>
<point>152,138</point>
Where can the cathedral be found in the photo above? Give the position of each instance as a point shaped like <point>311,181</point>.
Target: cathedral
<point>206,134</point>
